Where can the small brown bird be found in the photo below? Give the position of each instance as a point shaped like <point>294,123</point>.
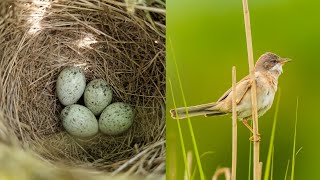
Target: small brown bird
<point>267,71</point>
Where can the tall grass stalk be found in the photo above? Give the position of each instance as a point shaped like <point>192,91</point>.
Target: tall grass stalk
<point>256,143</point>
<point>273,131</point>
<point>272,161</point>
<point>234,125</point>
<point>180,134</point>
<point>202,177</point>
<point>250,157</point>
<point>201,157</point>
<point>287,169</point>
<point>294,143</point>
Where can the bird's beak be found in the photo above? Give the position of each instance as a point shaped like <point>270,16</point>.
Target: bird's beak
<point>284,60</point>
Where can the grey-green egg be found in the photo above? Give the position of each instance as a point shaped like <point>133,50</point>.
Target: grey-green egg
<point>97,96</point>
<point>70,85</point>
<point>116,118</point>
<point>79,121</point>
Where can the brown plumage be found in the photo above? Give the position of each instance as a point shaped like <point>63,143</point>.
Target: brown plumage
<point>267,70</point>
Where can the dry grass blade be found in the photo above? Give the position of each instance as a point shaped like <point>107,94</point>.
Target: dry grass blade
<point>222,171</point>
<point>187,172</point>
<point>28,167</point>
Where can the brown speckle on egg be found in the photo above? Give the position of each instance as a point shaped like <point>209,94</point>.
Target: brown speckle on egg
<point>70,85</point>
<point>79,121</point>
<point>97,95</point>
<point>116,118</point>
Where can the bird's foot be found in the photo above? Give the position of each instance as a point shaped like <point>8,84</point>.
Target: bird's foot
<point>254,138</point>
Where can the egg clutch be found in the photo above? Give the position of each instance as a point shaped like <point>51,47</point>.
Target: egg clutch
<point>81,121</point>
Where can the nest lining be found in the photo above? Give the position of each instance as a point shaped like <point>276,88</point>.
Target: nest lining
<point>128,51</point>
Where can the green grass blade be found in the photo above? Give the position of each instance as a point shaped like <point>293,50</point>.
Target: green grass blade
<point>202,177</point>
<point>194,173</point>
<point>287,169</point>
<point>250,157</point>
<point>272,160</point>
<point>268,163</point>
<point>298,151</point>
<point>294,143</point>
<point>180,134</point>
<point>195,169</point>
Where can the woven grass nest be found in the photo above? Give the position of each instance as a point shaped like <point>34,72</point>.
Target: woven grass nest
<point>120,42</point>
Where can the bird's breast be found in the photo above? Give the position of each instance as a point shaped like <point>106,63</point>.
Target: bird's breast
<point>266,89</point>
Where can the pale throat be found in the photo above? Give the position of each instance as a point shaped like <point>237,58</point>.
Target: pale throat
<point>276,70</point>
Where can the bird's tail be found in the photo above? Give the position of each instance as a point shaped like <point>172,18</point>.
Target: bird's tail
<point>209,109</point>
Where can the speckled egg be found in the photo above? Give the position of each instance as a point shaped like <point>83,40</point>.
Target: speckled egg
<point>70,85</point>
<point>97,96</point>
<point>79,121</point>
<point>116,118</point>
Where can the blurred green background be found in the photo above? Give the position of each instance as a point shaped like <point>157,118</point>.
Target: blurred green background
<point>208,38</point>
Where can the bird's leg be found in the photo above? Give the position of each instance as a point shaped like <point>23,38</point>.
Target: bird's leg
<point>245,122</point>
<point>244,92</point>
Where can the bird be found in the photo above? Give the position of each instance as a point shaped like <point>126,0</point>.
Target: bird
<point>268,68</point>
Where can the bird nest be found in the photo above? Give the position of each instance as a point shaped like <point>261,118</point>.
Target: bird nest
<point>121,43</point>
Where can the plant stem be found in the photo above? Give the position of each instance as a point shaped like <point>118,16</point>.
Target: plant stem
<point>273,132</point>
<point>184,155</point>
<point>287,169</point>
<point>294,143</point>
<point>234,125</point>
<point>256,143</point>
<point>198,160</point>
<point>250,157</point>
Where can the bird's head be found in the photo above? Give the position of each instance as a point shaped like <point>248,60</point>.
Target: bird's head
<point>272,63</point>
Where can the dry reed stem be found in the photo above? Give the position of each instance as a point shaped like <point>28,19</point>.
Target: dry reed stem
<point>260,169</point>
<point>127,52</point>
<point>256,143</point>
<point>221,171</point>
<point>234,124</point>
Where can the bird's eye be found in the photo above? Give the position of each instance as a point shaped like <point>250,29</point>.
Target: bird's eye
<point>274,61</point>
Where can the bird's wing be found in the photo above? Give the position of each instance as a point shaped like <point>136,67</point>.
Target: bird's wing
<point>242,87</point>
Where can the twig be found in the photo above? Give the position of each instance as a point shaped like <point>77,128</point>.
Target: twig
<point>256,143</point>
<point>225,171</point>
<point>234,125</point>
